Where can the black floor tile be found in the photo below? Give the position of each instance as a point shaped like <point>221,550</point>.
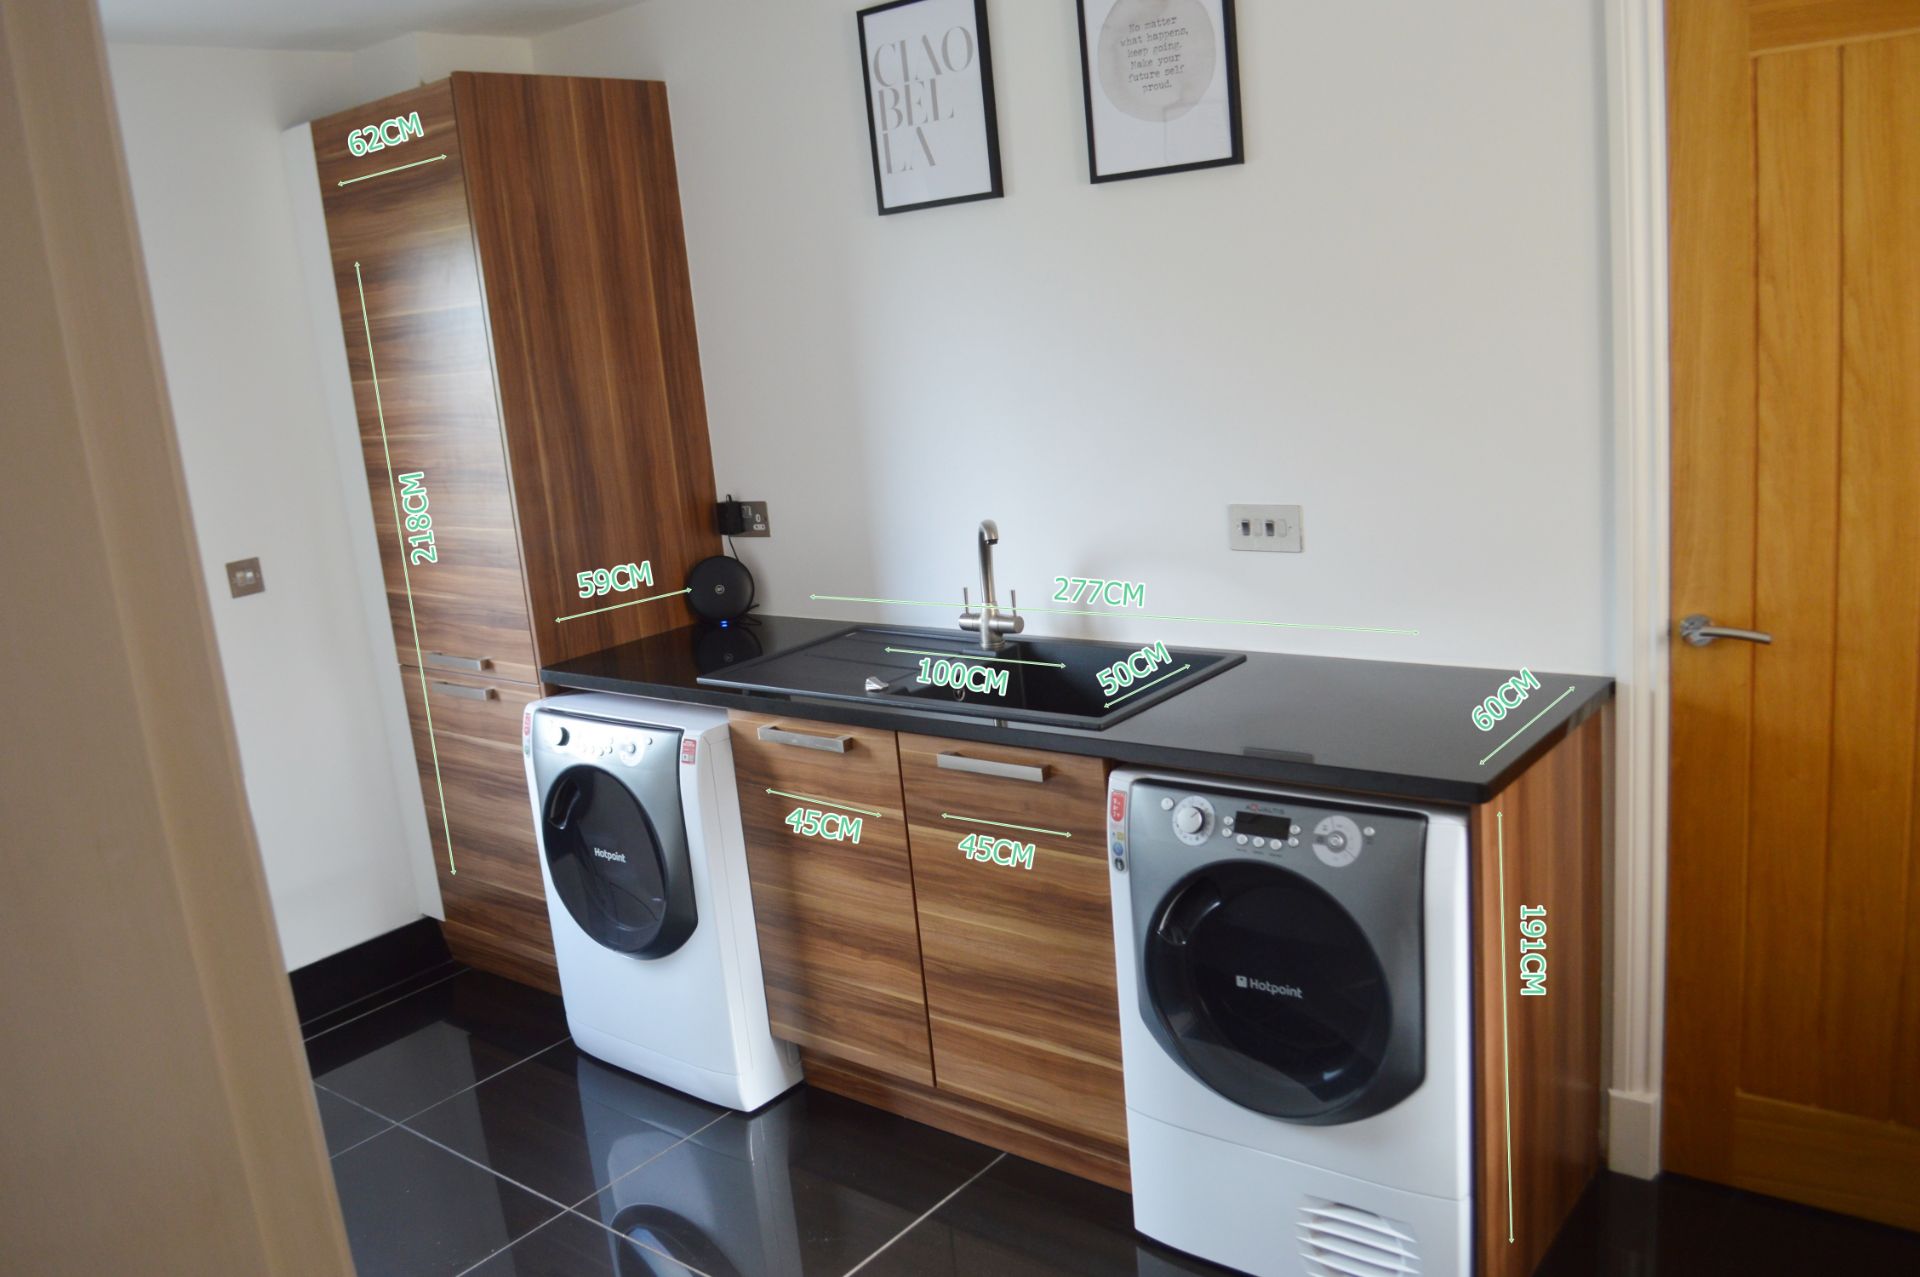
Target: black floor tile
<point>345,1123</point>
<point>811,1184</point>
<point>418,1051</point>
<point>325,1020</point>
<point>575,1246</point>
<point>414,1210</point>
<point>365,969</point>
<point>1678,1227</point>
<point>564,1124</point>
<point>1021,1219</point>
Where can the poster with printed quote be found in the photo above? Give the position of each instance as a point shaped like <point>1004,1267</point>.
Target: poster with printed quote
<point>1162,86</point>
<point>930,117</point>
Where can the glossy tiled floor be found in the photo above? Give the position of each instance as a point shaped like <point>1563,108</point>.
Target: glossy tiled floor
<point>469,1136</point>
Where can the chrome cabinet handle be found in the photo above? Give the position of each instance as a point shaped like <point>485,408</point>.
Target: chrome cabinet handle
<point>1700,630</point>
<point>466,693</point>
<point>988,767</point>
<point>441,661</point>
<point>804,740</point>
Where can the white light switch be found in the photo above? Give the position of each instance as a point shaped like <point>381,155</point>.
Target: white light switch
<point>1272,528</point>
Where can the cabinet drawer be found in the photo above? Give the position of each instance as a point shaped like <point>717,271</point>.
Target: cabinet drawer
<point>1060,792</point>
<point>475,738</point>
<point>1017,945</point>
<point>839,942</point>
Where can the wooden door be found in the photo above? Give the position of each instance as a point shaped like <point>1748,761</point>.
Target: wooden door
<point>839,943</point>
<point>416,334</point>
<point>467,745</point>
<point>1793,1003</point>
<point>1016,930</point>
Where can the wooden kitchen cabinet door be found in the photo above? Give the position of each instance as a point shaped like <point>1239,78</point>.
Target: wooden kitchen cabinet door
<point>839,941</point>
<point>408,285</point>
<point>480,815</point>
<point>1016,931</point>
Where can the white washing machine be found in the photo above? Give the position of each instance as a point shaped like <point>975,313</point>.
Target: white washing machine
<point>646,877</point>
<point>1293,978</point>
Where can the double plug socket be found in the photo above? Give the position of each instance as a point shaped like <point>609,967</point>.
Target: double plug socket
<point>1274,529</point>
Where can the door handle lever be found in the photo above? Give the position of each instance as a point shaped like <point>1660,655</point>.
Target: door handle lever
<point>1700,630</point>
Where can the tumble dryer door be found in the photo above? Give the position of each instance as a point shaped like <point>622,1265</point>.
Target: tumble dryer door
<point>1268,990</point>
<point>609,868</point>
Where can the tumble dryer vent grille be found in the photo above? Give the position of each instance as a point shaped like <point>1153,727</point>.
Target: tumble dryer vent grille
<point>1337,1240</point>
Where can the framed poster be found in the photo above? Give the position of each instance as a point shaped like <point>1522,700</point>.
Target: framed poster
<point>1162,81</point>
<point>930,117</point>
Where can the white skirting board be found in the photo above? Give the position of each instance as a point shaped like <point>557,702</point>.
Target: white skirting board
<point>1633,1133</point>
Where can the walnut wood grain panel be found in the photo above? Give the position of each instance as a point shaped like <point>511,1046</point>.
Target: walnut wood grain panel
<point>1712,218</point>
<point>1538,843</point>
<point>1020,979</point>
<point>576,211</point>
<point>501,931</point>
<point>1786,24</point>
<point>839,941</point>
<point>1036,1141</point>
<point>1071,799</point>
<point>408,286</point>
<point>488,815</point>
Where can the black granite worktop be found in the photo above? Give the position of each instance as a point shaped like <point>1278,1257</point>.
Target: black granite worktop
<point>1378,727</point>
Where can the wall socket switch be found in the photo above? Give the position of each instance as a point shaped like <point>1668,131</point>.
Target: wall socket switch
<point>243,577</point>
<point>741,518</point>
<point>1272,528</point>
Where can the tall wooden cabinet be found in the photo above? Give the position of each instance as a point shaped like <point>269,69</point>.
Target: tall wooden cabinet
<point>511,271</point>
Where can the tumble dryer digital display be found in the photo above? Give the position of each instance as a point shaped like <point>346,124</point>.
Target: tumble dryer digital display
<point>1262,824</point>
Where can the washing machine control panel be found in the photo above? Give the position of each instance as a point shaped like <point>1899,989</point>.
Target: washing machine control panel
<point>1269,827</point>
<point>593,741</point>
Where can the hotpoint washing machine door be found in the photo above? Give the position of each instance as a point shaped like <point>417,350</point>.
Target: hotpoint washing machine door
<point>1269,991</point>
<point>609,867</point>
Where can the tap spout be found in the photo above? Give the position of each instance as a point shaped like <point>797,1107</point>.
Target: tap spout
<point>989,537</point>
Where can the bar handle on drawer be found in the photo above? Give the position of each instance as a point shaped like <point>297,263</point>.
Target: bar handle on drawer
<point>805,740</point>
<point>441,661</point>
<point>466,693</point>
<point>988,767</point>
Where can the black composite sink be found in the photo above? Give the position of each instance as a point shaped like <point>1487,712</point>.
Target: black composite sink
<point>1039,680</point>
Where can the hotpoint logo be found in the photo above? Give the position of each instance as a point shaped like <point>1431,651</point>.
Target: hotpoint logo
<point>604,854</point>
<point>1268,986</point>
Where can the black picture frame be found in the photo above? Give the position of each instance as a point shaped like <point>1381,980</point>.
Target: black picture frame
<point>1230,60</point>
<point>990,118</point>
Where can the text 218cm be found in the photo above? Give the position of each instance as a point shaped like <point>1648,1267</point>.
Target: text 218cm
<point>417,524</point>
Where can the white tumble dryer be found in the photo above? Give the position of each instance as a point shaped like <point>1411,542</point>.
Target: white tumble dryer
<point>646,878</point>
<point>1294,983</point>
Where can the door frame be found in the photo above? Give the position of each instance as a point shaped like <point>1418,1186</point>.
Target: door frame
<point>1642,610</point>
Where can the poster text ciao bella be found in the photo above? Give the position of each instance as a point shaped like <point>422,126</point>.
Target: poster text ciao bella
<point>907,96</point>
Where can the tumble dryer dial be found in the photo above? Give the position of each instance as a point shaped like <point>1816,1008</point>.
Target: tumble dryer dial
<point>1337,841</point>
<point>1193,821</point>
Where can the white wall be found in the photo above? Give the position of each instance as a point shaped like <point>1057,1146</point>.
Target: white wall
<point>337,822</point>
<point>1394,314</point>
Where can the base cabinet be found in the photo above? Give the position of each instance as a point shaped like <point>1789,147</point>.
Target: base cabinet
<point>1016,932</point>
<point>955,963</point>
<point>839,946</point>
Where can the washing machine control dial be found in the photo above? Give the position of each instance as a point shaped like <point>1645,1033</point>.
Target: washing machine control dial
<point>1193,820</point>
<point>1337,841</point>
<point>554,734</point>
